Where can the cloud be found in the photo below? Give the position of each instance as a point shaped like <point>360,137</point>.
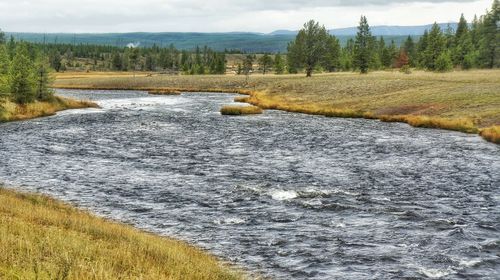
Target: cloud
<point>221,15</point>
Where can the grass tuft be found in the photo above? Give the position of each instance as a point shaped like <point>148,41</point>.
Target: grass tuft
<point>240,110</point>
<point>42,238</point>
<point>491,134</point>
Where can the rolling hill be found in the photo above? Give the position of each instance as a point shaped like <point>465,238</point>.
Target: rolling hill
<point>245,41</point>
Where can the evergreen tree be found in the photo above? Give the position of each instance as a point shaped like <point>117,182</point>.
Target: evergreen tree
<point>279,65</point>
<point>4,70</point>
<point>362,51</point>
<point>265,62</point>
<point>409,47</point>
<point>489,44</point>
<point>248,65</point>
<point>462,29</point>
<point>21,78</point>
<point>443,62</point>
<point>116,62</point>
<point>436,45</point>
<point>331,59</point>
<point>463,43</point>
<point>4,61</point>
<point>55,60</point>
<point>421,49</point>
<point>43,79</point>
<point>150,63</point>
<point>309,47</point>
<point>2,37</point>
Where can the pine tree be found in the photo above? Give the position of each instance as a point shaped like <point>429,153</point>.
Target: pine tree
<point>21,78</point>
<point>265,62</point>
<point>279,65</point>
<point>443,63</point>
<point>331,58</point>
<point>2,37</point>
<point>362,51</point>
<point>4,70</point>
<point>436,45</point>
<point>489,43</point>
<point>309,47</point>
<point>463,44</point>
<point>421,49</point>
<point>409,47</point>
<point>43,79</point>
<point>4,61</point>
<point>116,62</point>
<point>55,60</point>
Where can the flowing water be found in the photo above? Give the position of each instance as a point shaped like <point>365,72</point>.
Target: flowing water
<point>287,196</point>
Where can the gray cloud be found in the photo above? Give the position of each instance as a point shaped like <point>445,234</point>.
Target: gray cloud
<point>221,15</point>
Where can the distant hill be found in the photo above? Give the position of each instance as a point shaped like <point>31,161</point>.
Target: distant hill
<point>382,30</point>
<point>245,41</point>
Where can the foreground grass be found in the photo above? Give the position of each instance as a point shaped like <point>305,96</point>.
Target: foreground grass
<point>467,101</point>
<point>240,110</point>
<point>41,238</point>
<point>10,111</point>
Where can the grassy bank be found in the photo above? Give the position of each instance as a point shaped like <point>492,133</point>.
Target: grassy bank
<point>10,111</point>
<point>467,101</point>
<point>41,238</point>
<point>232,110</point>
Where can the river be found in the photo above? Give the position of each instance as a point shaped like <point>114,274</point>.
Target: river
<point>286,196</point>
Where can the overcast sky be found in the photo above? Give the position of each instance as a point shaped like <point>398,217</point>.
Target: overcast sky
<point>76,16</point>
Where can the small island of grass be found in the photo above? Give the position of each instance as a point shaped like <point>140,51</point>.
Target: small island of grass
<point>232,110</point>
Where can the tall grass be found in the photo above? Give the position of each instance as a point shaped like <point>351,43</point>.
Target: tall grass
<point>461,124</point>
<point>10,111</point>
<point>41,238</point>
<point>491,134</point>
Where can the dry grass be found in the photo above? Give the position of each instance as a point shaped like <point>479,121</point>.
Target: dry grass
<point>41,238</point>
<point>242,99</point>
<point>448,100</point>
<point>463,125</point>
<point>491,134</point>
<point>10,111</point>
<point>240,110</point>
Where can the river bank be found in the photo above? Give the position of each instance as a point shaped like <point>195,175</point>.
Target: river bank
<point>43,238</point>
<point>466,101</point>
<point>10,111</point>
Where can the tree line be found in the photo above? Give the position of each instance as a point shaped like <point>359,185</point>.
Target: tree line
<point>86,57</point>
<point>475,45</point>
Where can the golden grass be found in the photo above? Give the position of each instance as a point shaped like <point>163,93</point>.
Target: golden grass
<point>10,111</point>
<point>491,134</point>
<point>462,100</point>
<point>242,99</point>
<point>41,238</point>
<point>232,110</point>
<point>462,125</point>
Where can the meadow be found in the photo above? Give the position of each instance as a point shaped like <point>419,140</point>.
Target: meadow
<point>467,101</point>
<point>42,238</point>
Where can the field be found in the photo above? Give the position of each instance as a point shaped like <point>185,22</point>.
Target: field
<point>467,101</point>
<point>41,238</point>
